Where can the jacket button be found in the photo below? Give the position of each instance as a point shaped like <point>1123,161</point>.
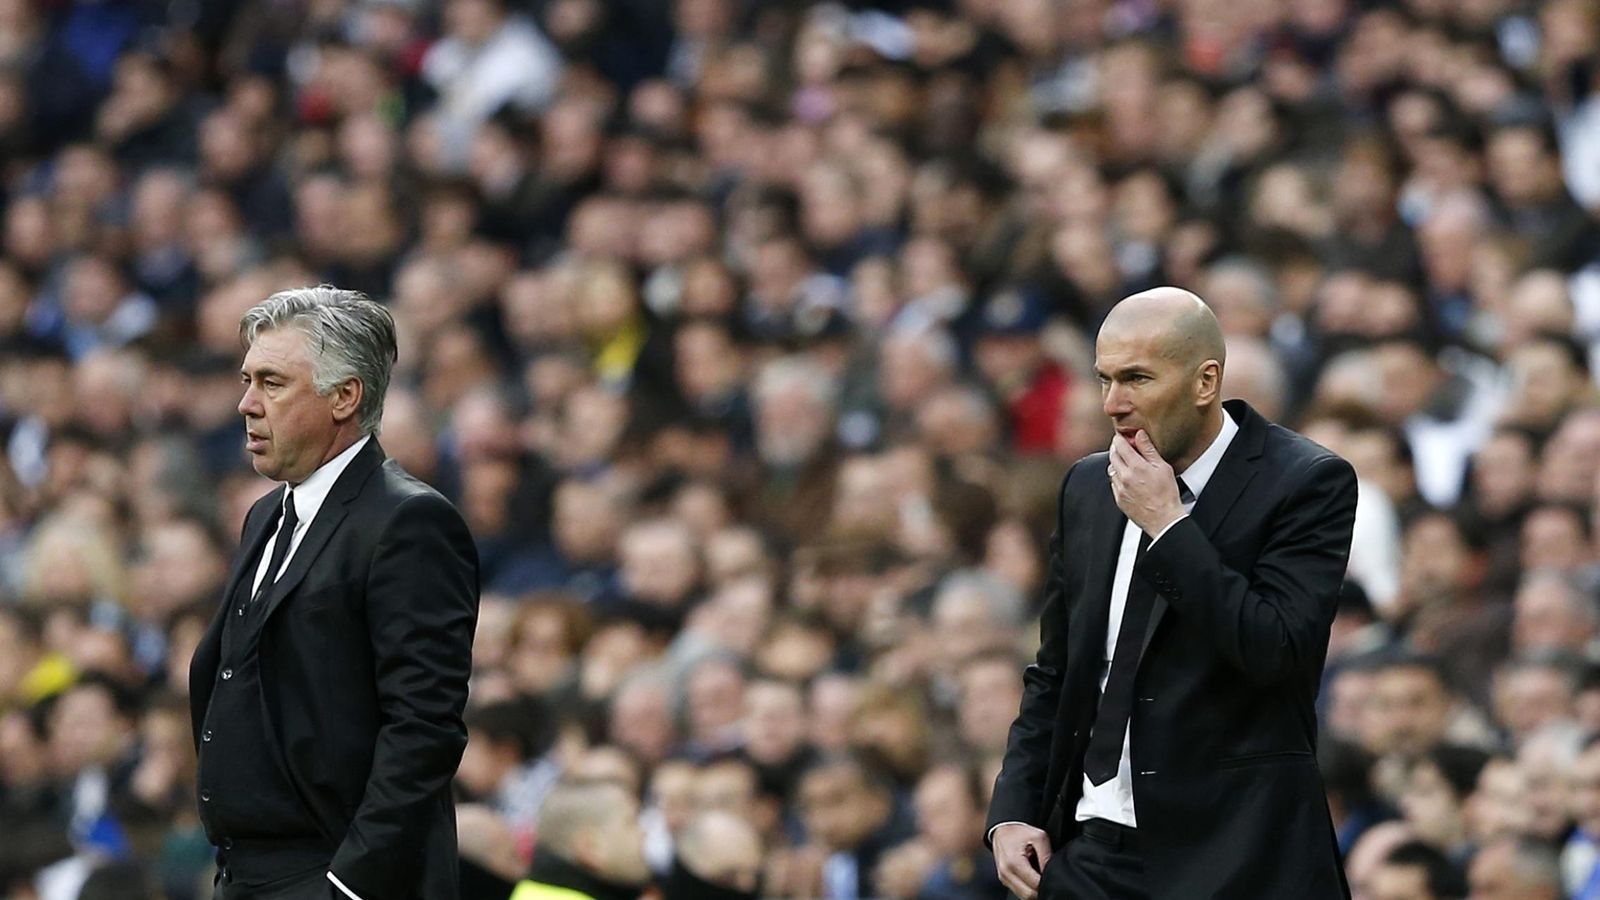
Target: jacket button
<point>227,843</point>
<point>205,796</point>
<point>241,610</point>
<point>227,674</point>
<point>206,736</point>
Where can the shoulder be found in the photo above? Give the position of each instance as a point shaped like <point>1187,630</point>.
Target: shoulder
<point>1302,459</point>
<point>394,492</point>
<point>1087,473</point>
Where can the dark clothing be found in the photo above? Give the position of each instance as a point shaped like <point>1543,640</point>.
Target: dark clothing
<point>1103,863</point>
<point>312,884</point>
<point>554,871</point>
<point>682,884</point>
<point>1223,731</point>
<point>352,675</point>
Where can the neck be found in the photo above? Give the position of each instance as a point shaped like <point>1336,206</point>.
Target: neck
<point>1210,427</point>
<point>342,441</point>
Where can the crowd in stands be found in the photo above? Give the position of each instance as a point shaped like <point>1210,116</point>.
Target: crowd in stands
<point>753,338</point>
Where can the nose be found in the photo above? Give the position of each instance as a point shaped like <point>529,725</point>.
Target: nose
<point>1115,402</point>
<point>250,404</point>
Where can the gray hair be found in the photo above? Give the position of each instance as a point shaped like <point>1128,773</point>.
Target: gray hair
<point>350,337</point>
<point>1004,602</point>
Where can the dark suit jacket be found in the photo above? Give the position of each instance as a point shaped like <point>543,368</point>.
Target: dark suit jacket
<point>1223,732</point>
<point>364,656</point>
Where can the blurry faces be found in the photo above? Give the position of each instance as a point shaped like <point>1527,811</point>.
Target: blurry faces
<point>947,815</point>
<point>543,655</point>
<point>1553,538</point>
<point>991,694</point>
<point>672,792</point>
<point>1551,614</point>
<point>1408,711</point>
<point>291,429</point>
<point>1520,169</point>
<point>1495,874</point>
<point>1498,806</point>
<point>93,291</point>
<point>615,851</point>
<point>728,785</point>
<point>641,720</point>
<point>774,722</point>
<point>839,807</point>
<point>1430,804</point>
<point>1545,382</point>
<point>1528,697</point>
<point>1503,474</point>
<point>86,730</point>
<point>1546,761</point>
<point>1434,561</point>
<point>715,694</point>
<point>660,563</point>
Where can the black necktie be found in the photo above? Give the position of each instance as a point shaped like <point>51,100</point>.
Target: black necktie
<point>1104,754</point>
<point>280,547</point>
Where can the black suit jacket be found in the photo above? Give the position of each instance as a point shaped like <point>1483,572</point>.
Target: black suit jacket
<point>1223,731</point>
<point>365,654</point>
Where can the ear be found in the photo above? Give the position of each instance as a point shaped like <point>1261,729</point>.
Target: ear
<point>346,399</point>
<point>1208,383</point>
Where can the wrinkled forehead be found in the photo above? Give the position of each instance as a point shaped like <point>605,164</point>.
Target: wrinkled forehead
<point>1134,343</point>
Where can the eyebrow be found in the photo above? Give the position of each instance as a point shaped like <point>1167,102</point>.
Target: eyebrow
<point>1123,372</point>
<point>263,373</point>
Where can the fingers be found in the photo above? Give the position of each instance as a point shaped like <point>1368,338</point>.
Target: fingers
<point>1122,453</point>
<point>1015,864</point>
<point>1020,879</point>
<point>1145,446</point>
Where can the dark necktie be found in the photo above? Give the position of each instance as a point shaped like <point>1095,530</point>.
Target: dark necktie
<point>1104,754</point>
<point>280,547</point>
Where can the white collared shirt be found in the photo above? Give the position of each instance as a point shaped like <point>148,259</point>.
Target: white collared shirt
<point>1113,799</point>
<point>308,498</point>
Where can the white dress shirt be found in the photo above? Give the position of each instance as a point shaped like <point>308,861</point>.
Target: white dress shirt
<point>308,498</point>
<point>1113,800</point>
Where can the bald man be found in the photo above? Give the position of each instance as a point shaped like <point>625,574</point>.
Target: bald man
<point>1164,746</point>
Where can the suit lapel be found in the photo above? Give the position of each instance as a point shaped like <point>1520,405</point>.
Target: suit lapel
<point>1227,483</point>
<point>255,537</point>
<point>1094,616</point>
<point>327,520</point>
<point>203,668</point>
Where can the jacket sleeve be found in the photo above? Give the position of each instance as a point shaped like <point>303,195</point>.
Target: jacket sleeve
<point>1273,624</point>
<point>422,607</point>
<point>1020,786</point>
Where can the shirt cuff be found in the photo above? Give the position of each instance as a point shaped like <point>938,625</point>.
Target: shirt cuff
<point>340,885</point>
<point>997,825</point>
<point>1166,529</point>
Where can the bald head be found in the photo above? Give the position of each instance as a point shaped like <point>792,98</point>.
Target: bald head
<point>1187,329</point>
<point>1159,359</point>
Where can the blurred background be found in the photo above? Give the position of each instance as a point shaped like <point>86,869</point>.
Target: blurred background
<point>753,337</point>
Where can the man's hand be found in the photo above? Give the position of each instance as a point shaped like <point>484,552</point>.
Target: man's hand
<point>1020,855</point>
<point>1143,483</point>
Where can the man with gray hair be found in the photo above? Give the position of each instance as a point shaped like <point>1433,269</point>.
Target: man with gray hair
<point>328,692</point>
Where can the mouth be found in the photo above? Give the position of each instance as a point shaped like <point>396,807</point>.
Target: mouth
<point>253,442</point>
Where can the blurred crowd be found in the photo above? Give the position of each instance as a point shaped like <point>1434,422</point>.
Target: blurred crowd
<point>752,338</point>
